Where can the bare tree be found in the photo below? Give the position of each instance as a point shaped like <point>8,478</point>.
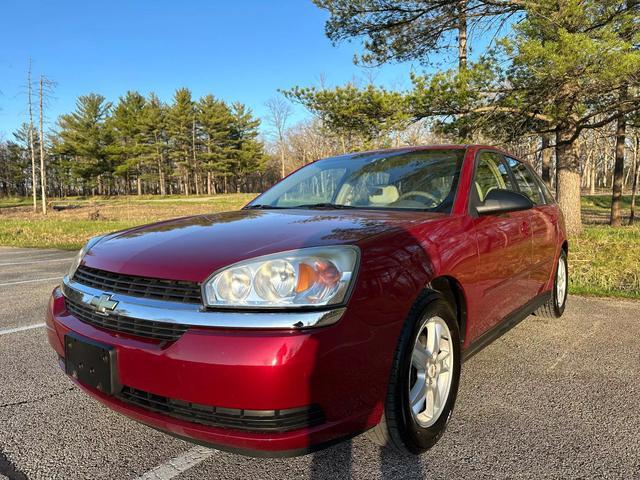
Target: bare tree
<point>279,113</point>
<point>34,189</point>
<point>43,172</point>
<point>46,87</point>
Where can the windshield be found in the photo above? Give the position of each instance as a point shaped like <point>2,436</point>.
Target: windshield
<point>423,180</point>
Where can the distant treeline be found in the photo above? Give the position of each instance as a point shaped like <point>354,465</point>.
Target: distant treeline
<point>141,145</point>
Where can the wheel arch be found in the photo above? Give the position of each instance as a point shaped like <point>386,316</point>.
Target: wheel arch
<point>453,293</point>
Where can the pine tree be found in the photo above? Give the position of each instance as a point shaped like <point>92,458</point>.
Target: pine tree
<point>569,63</point>
<point>356,116</point>
<point>215,121</point>
<point>153,125</point>
<point>408,30</point>
<point>85,137</point>
<point>127,125</point>
<point>180,120</point>
<point>247,151</point>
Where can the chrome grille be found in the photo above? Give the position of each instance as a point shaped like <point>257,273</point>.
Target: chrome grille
<point>157,288</point>
<point>131,326</point>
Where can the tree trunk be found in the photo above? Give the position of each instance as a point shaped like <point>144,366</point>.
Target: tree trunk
<point>187,189</point>
<point>462,34</point>
<point>592,185</point>
<point>282,173</point>
<point>546,160</point>
<point>625,183</point>
<point>161,181</point>
<point>618,172</point>
<point>209,183</point>
<point>568,180</point>
<point>634,187</point>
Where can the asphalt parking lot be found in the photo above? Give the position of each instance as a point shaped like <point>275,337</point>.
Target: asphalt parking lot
<point>550,399</point>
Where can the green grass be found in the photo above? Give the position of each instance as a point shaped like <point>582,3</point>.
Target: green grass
<point>603,261</point>
<point>15,202</point>
<point>603,202</point>
<point>66,234</point>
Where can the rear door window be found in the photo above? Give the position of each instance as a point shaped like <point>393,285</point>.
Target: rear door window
<point>548,196</point>
<point>526,182</point>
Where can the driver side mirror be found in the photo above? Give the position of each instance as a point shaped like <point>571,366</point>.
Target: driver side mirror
<point>499,200</point>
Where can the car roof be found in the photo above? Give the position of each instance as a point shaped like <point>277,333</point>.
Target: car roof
<point>444,146</point>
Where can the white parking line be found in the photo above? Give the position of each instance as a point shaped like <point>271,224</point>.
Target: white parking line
<point>37,261</point>
<point>174,467</point>
<point>7,331</point>
<point>30,281</point>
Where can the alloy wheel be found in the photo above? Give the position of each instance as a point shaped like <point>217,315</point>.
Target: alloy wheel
<point>431,371</point>
<point>561,282</point>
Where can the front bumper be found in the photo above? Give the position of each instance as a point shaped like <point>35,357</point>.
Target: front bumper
<point>257,370</point>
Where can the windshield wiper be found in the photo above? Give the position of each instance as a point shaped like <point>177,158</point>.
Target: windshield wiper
<point>332,206</point>
<point>326,205</point>
<point>263,206</point>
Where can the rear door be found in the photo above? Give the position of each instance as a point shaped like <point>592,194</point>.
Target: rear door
<point>544,221</point>
<point>504,246</point>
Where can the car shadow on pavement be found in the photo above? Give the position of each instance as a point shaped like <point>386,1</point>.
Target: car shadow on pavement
<point>9,470</point>
<point>337,463</point>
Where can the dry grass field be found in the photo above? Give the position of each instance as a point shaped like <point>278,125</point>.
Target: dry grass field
<point>70,228</point>
<point>604,261</point>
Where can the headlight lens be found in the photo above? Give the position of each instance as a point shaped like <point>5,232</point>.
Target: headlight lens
<point>306,277</point>
<point>83,251</point>
<point>235,284</point>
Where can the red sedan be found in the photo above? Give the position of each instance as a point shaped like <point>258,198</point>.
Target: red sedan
<point>343,299</point>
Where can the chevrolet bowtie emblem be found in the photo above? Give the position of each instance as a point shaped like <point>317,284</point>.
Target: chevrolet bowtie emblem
<point>103,304</point>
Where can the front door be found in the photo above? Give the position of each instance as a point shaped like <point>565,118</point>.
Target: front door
<point>504,247</point>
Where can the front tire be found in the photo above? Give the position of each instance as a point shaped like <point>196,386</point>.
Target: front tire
<point>424,379</point>
<point>554,307</point>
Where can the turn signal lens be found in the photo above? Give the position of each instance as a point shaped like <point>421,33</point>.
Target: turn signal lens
<point>306,277</point>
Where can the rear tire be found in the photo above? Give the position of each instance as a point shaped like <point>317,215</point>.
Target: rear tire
<point>554,307</point>
<point>426,364</point>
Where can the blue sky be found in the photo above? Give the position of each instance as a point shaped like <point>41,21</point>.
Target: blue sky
<point>237,50</point>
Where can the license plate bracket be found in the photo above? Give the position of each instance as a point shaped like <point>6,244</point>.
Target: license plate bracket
<point>91,363</point>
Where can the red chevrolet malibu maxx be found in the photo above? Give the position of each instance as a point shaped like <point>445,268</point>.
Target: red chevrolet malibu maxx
<point>341,300</point>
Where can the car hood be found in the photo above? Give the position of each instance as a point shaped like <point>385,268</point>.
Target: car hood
<point>192,248</point>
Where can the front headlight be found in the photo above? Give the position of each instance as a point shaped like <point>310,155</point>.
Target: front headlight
<point>308,277</point>
<point>83,251</point>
